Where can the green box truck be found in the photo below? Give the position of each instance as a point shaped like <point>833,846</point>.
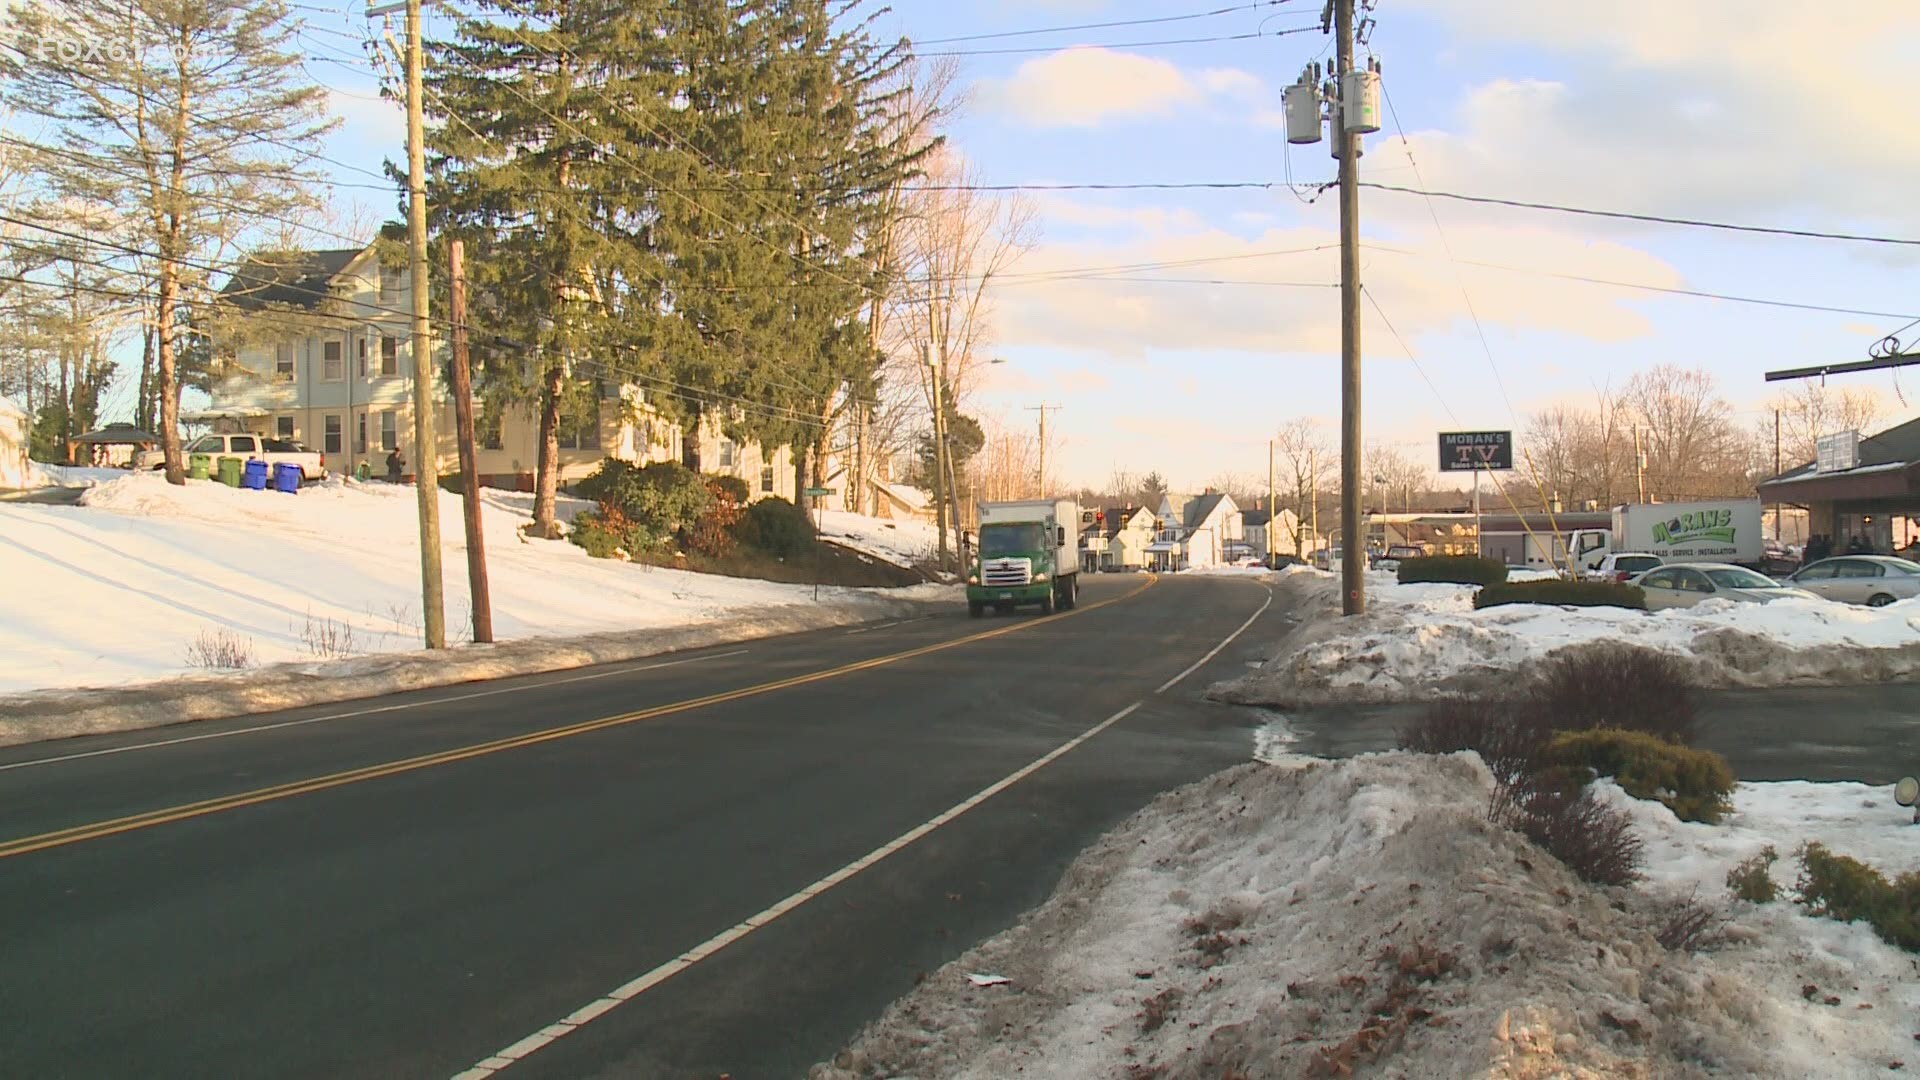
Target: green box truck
<point>1029,553</point>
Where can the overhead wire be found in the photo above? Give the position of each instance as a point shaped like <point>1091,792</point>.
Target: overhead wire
<point>1113,24</point>
<point>1160,43</point>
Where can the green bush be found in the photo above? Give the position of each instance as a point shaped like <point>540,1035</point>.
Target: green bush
<point>1849,890</point>
<point>776,527</point>
<point>664,498</point>
<point>731,487</point>
<point>1695,784</point>
<point>1750,880</point>
<point>1570,593</point>
<point>1453,569</point>
<point>600,538</point>
<point>713,532</point>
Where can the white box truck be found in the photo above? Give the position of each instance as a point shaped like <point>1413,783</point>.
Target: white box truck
<point>1719,530</point>
<point>1029,553</point>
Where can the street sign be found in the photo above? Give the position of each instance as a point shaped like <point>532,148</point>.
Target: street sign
<point>820,493</point>
<point>1837,453</point>
<point>1474,451</point>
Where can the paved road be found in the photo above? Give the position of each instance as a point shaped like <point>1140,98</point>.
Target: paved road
<point>1865,733</point>
<point>410,891</point>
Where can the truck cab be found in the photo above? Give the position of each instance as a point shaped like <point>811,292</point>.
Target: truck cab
<point>1028,554</point>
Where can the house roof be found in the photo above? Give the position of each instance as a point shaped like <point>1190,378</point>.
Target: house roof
<point>907,494</point>
<point>1896,445</point>
<point>1200,509</point>
<point>115,434</point>
<point>1116,517</point>
<point>300,279</point>
<point>1255,517</point>
<point>9,408</point>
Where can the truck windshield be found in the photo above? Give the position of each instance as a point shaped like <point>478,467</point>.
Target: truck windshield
<point>999,540</point>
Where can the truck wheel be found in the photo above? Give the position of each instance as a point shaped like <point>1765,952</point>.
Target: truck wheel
<point>976,609</point>
<point>1070,594</point>
<point>1047,604</point>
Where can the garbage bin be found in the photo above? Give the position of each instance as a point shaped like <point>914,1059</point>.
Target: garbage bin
<point>255,478</point>
<point>199,466</point>
<point>363,472</point>
<point>230,469</point>
<point>286,477</point>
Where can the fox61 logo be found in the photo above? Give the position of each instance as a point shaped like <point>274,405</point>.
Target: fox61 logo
<point>79,51</point>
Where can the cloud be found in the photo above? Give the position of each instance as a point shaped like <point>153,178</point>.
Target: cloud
<point>1273,291</point>
<point>1088,86</point>
<point>368,121</point>
<point>1081,381</point>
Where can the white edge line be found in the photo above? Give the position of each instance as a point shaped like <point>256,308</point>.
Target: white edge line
<point>365,712</point>
<point>1200,663</point>
<point>689,958</point>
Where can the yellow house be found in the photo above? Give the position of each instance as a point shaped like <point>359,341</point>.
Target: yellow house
<point>325,358</point>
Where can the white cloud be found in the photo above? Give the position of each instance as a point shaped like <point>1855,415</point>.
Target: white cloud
<point>1090,86</point>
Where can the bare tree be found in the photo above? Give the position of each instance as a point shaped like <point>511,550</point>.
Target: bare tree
<point>1807,414</point>
<point>1397,481</point>
<point>193,118</point>
<point>1692,447</point>
<point>1306,463</point>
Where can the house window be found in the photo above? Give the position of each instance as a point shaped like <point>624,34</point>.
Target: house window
<point>580,432</point>
<point>492,429</point>
<point>283,362</point>
<point>389,430</point>
<point>283,427</point>
<point>726,453</point>
<point>332,367</point>
<point>389,285</point>
<point>362,343</point>
<point>360,435</point>
<point>389,355</point>
<point>331,428</point>
<point>766,478</point>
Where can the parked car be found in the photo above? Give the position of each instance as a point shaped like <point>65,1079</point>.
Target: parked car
<point>1624,566</point>
<point>1391,560</point>
<point>1873,580</point>
<point>1686,584</point>
<point>1777,559</point>
<point>313,465</point>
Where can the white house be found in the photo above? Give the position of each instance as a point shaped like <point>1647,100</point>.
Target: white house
<point>15,428</point>
<point>1286,534</point>
<point>1196,531</point>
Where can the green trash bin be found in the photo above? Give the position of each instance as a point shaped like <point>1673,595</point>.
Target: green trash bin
<point>363,472</point>
<point>231,469</point>
<point>200,466</point>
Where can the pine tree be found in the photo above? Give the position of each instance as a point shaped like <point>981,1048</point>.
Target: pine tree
<point>190,119</point>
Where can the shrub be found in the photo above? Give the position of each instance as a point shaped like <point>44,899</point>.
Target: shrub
<point>776,527</point>
<point>665,498</point>
<point>731,487</point>
<point>1750,880</point>
<point>606,533</point>
<point>1569,822</point>
<point>712,533</point>
<point>1694,784</point>
<point>1507,738</point>
<point>1615,685</point>
<point>220,649</point>
<point>1689,925</point>
<point>1849,890</point>
<point>1568,593</point>
<point>1453,569</point>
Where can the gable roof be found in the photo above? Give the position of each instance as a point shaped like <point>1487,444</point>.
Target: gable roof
<point>1895,446</point>
<point>1255,517</point>
<point>300,279</point>
<point>1200,509</point>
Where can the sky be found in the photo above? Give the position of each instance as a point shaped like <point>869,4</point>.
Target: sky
<point>1768,112</point>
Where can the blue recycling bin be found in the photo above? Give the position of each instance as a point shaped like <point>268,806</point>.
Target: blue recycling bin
<point>286,477</point>
<point>254,478</point>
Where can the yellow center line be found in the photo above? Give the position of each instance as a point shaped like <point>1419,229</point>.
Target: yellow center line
<point>133,822</point>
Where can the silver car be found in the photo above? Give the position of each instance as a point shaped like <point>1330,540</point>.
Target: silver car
<point>1873,580</point>
<point>1686,584</point>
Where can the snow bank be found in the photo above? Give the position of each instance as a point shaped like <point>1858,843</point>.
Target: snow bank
<point>114,591</point>
<point>903,543</point>
<point>41,474</point>
<point>1363,915</point>
<point>1418,639</point>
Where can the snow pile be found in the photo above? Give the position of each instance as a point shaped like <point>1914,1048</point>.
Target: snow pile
<point>1417,639</point>
<point>41,474</point>
<point>903,543</point>
<point>116,590</point>
<point>1363,916</point>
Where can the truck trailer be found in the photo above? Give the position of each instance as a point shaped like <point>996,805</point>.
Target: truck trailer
<point>1029,553</point>
<point>1718,530</point>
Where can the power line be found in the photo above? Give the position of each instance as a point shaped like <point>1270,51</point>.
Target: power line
<point>1121,44</point>
<point>1656,219</point>
<point>1101,25</point>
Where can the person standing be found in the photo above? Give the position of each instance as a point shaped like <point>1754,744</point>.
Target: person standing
<point>395,463</point>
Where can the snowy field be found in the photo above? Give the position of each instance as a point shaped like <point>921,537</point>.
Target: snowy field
<point>1362,918</point>
<point>902,543</point>
<point>118,589</point>
<point>1418,638</point>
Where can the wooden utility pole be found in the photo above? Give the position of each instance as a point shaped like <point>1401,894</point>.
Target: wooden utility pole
<point>1313,497</point>
<point>1353,563</point>
<point>1273,505</point>
<point>1776,472</point>
<point>1042,409</point>
<point>426,450</point>
<point>469,460</point>
<point>1639,466</point>
<point>941,493</point>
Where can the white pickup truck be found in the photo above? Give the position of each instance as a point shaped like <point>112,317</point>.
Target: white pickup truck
<point>313,465</point>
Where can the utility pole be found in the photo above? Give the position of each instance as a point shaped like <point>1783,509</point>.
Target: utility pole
<point>477,588</point>
<point>941,492</point>
<point>1776,472</point>
<point>1639,465</point>
<point>1042,409</point>
<point>1273,505</point>
<point>1353,562</point>
<point>1313,498</point>
<point>433,617</point>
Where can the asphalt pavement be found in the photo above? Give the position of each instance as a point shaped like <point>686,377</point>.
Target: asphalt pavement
<point>416,885</point>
